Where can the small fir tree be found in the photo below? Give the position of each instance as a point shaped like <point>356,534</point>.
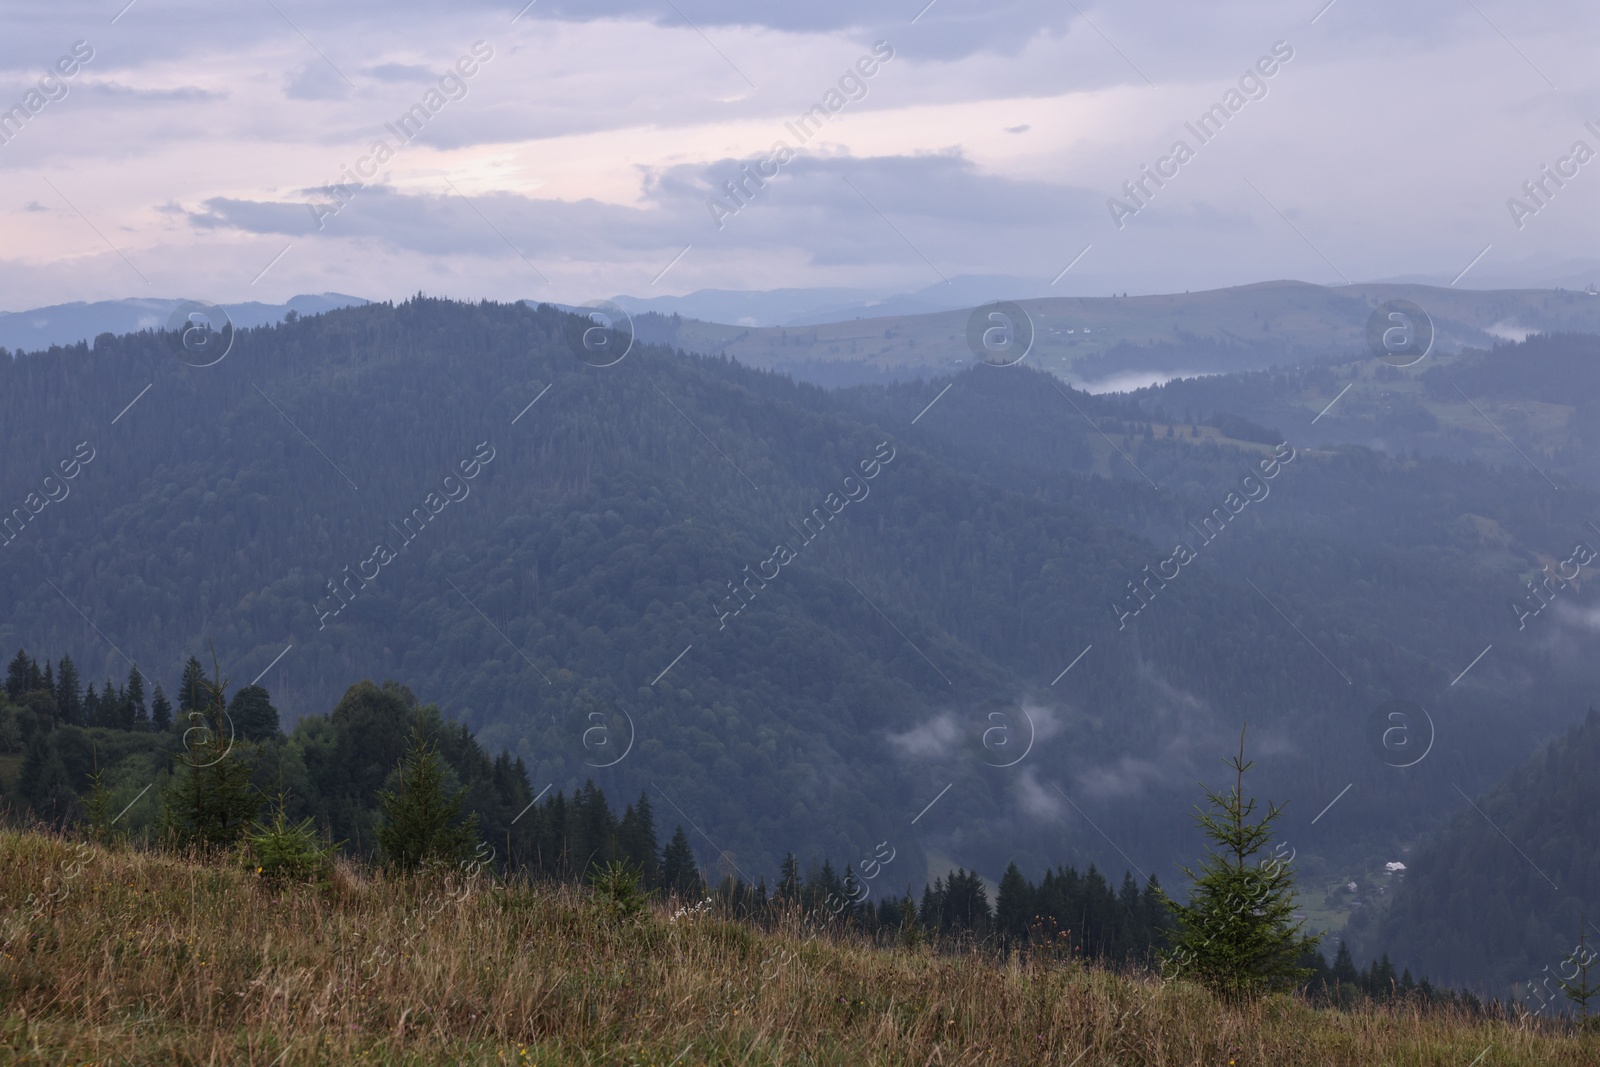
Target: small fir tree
<point>1236,934</point>
<point>422,822</point>
<point>1578,986</point>
<point>618,895</point>
<point>97,805</point>
<point>289,853</point>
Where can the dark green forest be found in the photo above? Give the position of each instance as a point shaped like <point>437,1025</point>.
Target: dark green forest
<point>552,552</point>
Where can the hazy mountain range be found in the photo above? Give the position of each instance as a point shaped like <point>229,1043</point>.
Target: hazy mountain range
<point>70,324</point>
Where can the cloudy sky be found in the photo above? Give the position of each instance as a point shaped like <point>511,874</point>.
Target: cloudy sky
<point>200,151</point>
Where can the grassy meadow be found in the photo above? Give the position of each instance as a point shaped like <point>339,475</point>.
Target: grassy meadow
<point>113,956</point>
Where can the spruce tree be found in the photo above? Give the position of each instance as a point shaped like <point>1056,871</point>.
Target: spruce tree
<point>422,822</point>
<point>97,806</point>
<point>1344,967</point>
<point>789,879</point>
<point>680,875</point>
<point>1237,934</point>
<point>69,692</point>
<point>19,676</point>
<point>1578,986</point>
<point>114,710</point>
<point>160,711</point>
<point>210,801</point>
<point>1014,905</point>
<point>636,841</point>
<point>192,689</point>
<point>137,715</point>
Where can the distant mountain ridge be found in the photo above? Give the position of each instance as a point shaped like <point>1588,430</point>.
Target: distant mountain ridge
<point>68,324</point>
<point>846,336</point>
<point>1112,344</point>
<point>807,307</point>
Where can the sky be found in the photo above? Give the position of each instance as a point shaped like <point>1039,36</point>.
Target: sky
<point>225,151</point>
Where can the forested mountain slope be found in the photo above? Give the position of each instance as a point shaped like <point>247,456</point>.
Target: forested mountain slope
<point>1530,405</point>
<point>558,577</point>
<point>1507,905</point>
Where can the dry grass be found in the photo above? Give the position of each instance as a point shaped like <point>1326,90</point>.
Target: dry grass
<point>121,956</point>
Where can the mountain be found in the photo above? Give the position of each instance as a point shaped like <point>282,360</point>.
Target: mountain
<point>1528,405</point>
<point>801,307</point>
<point>1500,895</point>
<point>68,324</point>
<point>985,618</point>
<point>1121,343</point>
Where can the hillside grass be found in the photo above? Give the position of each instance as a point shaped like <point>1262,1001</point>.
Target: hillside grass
<point>111,956</point>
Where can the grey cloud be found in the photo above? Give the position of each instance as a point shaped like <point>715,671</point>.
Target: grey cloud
<point>946,202</point>
<point>315,80</point>
<point>401,72</point>
<point>116,92</point>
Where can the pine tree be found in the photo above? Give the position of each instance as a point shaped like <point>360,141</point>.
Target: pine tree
<point>19,675</point>
<point>1236,934</point>
<point>97,806</point>
<point>160,711</point>
<point>192,690</point>
<point>825,889</point>
<point>931,913</point>
<point>594,829</point>
<point>910,932</point>
<point>1380,980</point>
<point>114,710</point>
<point>1014,906</point>
<point>636,841</point>
<point>1344,968</point>
<point>210,801</point>
<point>680,875</point>
<point>69,692</point>
<point>850,889</point>
<point>139,716</point>
<point>1577,986</point>
<point>789,879</point>
<point>422,822</point>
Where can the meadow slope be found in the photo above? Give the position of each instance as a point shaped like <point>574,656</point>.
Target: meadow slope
<point>120,956</point>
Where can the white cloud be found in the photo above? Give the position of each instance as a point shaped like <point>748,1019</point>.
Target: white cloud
<point>935,739</point>
<point>1038,801</point>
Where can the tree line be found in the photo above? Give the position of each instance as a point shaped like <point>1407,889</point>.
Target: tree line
<point>388,781</point>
